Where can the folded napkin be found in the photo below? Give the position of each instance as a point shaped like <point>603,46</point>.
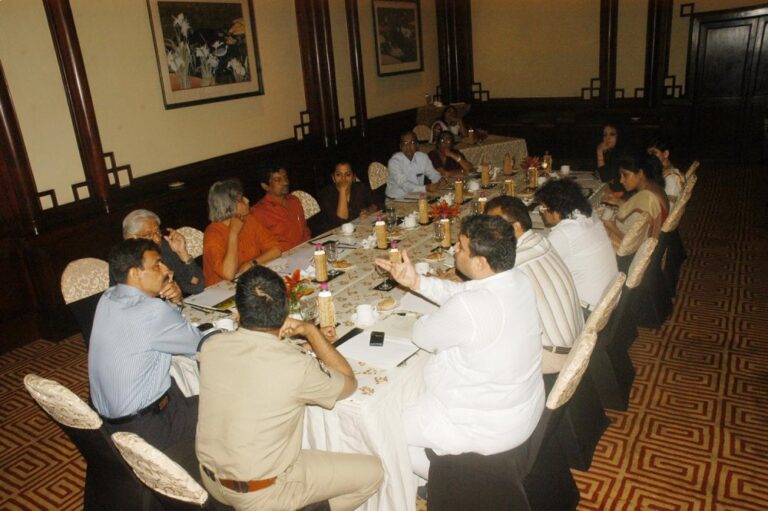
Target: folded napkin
<point>369,242</point>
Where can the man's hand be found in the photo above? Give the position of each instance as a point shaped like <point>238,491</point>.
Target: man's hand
<point>171,291</point>
<point>178,244</point>
<point>432,187</point>
<point>296,328</point>
<point>404,273</point>
<point>329,332</point>
<point>236,223</point>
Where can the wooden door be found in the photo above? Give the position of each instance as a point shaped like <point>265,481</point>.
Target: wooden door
<point>724,67</point>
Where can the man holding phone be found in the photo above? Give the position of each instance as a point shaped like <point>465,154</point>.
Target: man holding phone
<point>484,391</point>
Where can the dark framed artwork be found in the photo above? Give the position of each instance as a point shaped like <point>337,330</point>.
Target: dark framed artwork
<point>397,35</point>
<point>206,50</point>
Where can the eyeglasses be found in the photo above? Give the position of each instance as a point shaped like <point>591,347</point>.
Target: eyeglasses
<point>411,142</point>
<point>542,207</point>
<point>148,235</point>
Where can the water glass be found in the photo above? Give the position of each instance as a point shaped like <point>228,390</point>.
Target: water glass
<point>390,216</point>
<point>437,231</point>
<point>308,308</point>
<point>331,251</point>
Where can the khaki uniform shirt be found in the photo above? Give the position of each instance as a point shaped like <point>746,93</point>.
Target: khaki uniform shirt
<point>253,390</point>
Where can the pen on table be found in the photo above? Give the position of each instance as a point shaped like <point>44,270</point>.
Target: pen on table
<point>226,312</point>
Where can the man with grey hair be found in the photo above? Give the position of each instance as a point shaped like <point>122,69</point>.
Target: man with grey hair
<point>408,168</point>
<point>144,224</point>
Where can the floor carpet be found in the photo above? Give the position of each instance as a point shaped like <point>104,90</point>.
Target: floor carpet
<point>695,436</point>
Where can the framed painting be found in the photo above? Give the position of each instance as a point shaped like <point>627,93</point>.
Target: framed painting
<point>206,50</point>
<point>397,35</point>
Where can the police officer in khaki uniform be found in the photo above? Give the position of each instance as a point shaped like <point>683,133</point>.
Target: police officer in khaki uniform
<point>254,385</point>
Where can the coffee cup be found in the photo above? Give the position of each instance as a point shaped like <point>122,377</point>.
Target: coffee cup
<point>422,268</point>
<point>473,185</point>
<point>409,221</point>
<point>227,324</point>
<point>348,228</point>
<point>565,170</point>
<point>542,180</point>
<point>364,313</point>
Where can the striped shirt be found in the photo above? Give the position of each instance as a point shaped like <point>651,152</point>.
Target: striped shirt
<point>557,300</point>
<point>133,339</point>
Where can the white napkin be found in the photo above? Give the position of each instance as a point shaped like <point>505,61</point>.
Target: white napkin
<point>369,242</point>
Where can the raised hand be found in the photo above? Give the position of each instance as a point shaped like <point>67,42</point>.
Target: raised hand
<point>178,244</point>
<point>404,273</point>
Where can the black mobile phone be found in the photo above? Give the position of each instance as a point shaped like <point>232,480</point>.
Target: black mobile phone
<point>377,339</point>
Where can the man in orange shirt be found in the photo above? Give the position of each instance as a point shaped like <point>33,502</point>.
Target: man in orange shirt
<point>280,212</point>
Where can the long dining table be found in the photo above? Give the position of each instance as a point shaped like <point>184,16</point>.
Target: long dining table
<point>369,421</point>
<point>491,150</point>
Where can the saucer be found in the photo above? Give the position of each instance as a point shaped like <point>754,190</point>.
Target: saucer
<point>365,325</point>
<point>406,228</point>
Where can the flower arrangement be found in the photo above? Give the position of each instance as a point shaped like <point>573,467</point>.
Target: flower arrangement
<point>295,289</point>
<point>532,162</point>
<point>442,209</point>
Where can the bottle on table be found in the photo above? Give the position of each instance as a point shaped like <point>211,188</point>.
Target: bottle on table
<point>321,264</point>
<point>485,174</point>
<point>481,201</point>
<point>445,224</point>
<point>380,228</point>
<point>533,177</point>
<point>458,191</point>
<point>470,136</point>
<point>509,187</point>
<point>509,165</point>
<point>423,211</point>
<point>546,162</point>
<point>394,254</point>
<point>326,311</point>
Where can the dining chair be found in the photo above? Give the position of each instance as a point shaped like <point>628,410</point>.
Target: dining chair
<point>632,240</point>
<point>423,133</point>
<point>194,238</point>
<point>82,283</point>
<point>109,483</point>
<point>691,170</point>
<point>675,254</point>
<point>377,175</point>
<point>308,203</point>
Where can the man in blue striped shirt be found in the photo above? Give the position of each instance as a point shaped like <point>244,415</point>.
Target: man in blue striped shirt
<point>135,333</point>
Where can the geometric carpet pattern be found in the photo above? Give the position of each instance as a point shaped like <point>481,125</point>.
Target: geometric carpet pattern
<point>695,436</point>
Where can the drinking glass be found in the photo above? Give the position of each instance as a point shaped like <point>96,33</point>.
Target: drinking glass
<point>390,218</point>
<point>308,308</point>
<point>388,282</point>
<point>475,207</point>
<point>331,251</point>
<point>437,232</point>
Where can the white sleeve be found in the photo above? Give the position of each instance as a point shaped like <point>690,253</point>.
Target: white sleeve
<point>672,185</point>
<point>452,325</point>
<point>439,290</point>
<point>398,176</point>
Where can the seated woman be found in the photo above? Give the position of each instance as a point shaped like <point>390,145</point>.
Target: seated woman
<point>609,152</point>
<point>235,240</point>
<point>346,198</point>
<point>449,162</point>
<point>673,178</point>
<point>449,121</point>
<point>645,180</point>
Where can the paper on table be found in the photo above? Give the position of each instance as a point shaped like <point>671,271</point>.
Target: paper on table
<point>388,356</point>
<point>214,297</point>
<point>300,257</point>
<point>415,303</point>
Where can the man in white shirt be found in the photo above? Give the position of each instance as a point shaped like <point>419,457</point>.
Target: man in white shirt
<point>579,238</point>
<point>557,300</point>
<point>484,390</point>
<point>408,168</point>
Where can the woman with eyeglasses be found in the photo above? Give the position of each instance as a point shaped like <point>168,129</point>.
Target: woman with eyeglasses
<point>447,160</point>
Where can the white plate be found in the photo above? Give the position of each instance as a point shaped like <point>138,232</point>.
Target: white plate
<point>376,307</point>
<point>365,325</point>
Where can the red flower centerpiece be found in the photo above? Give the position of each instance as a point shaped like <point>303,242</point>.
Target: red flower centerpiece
<point>295,289</point>
<point>443,210</point>
<point>532,162</point>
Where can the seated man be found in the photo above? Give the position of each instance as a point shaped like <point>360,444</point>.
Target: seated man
<point>134,335</point>
<point>579,239</point>
<point>254,386</point>
<point>408,168</point>
<point>144,224</point>
<point>484,390</point>
<point>279,211</point>
<point>557,300</point>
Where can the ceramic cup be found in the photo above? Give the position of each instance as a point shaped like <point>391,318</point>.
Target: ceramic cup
<point>348,228</point>
<point>227,324</point>
<point>565,170</point>
<point>473,185</point>
<point>409,221</point>
<point>422,268</point>
<point>364,313</point>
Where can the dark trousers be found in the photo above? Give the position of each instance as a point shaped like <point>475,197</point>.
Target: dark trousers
<point>171,430</point>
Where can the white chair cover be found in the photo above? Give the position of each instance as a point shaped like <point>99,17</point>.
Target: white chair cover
<point>602,312</point>
<point>194,239</point>
<point>691,170</point>
<point>62,404</point>
<point>635,235</point>
<point>688,187</point>
<point>83,278</point>
<point>423,132</point>
<point>573,370</point>
<point>640,262</point>
<point>308,203</point>
<point>377,175</point>
<point>157,470</point>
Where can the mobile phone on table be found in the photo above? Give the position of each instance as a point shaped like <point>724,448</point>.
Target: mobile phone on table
<point>377,339</point>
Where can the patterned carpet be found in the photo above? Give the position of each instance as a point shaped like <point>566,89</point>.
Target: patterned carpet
<point>694,438</point>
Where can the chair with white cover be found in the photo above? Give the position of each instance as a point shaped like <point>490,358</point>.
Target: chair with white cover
<point>674,254</point>
<point>194,238</point>
<point>691,170</point>
<point>550,484</point>
<point>109,483</point>
<point>377,175</point>
<point>638,231</point>
<point>423,132</point>
<point>308,203</point>
<point>82,283</point>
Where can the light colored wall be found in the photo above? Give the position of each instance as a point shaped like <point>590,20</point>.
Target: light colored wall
<point>388,94</point>
<point>630,45</point>
<point>117,46</point>
<point>535,48</point>
<point>344,89</point>
<point>35,84</point>
<point>678,53</point>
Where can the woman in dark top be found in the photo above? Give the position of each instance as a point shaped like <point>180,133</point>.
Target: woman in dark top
<point>346,198</point>
<point>609,152</point>
<point>446,160</point>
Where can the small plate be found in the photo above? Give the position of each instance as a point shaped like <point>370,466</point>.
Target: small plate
<point>365,325</point>
<point>388,309</point>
